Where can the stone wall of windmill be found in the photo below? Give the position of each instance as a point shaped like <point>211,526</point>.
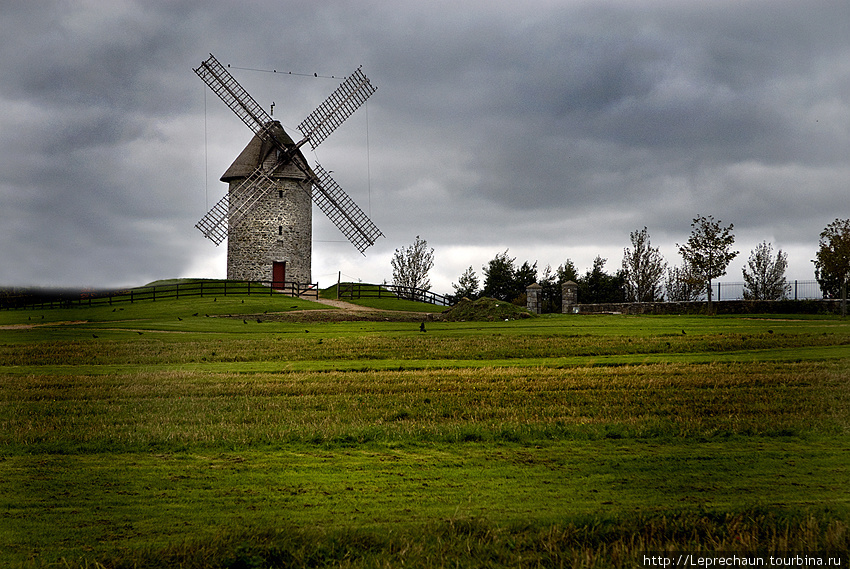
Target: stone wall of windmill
<point>278,229</point>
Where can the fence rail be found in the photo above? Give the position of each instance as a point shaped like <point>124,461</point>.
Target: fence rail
<point>353,291</point>
<point>794,290</point>
<point>29,299</point>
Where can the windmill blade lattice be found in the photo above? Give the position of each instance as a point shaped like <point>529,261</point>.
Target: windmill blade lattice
<point>235,96</point>
<point>343,212</point>
<point>340,105</point>
<point>215,223</point>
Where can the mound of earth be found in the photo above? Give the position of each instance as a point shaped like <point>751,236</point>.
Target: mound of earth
<point>485,309</point>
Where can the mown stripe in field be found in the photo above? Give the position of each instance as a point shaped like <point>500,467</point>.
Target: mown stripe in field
<point>793,354</point>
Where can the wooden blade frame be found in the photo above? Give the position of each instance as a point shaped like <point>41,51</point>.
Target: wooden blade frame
<point>234,96</point>
<point>340,105</point>
<point>215,223</point>
<point>343,212</point>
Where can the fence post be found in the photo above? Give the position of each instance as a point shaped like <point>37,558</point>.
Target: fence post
<point>795,289</point>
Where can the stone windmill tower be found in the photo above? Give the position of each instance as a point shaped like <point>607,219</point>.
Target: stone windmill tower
<point>266,214</point>
<point>275,241</point>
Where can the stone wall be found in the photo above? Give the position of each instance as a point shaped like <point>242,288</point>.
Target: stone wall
<point>278,228</point>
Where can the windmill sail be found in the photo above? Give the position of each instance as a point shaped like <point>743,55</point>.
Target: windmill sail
<point>234,96</point>
<point>215,223</point>
<point>340,105</point>
<point>343,212</point>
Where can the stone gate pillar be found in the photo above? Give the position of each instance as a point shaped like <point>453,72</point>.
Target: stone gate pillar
<point>569,296</point>
<point>533,300</point>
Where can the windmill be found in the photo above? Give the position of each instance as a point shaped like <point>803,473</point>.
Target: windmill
<point>266,214</point>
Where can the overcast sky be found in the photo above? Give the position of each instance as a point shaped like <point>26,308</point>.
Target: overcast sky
<point>548,129</point>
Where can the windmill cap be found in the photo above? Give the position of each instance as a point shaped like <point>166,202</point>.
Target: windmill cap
<point>256,152</point>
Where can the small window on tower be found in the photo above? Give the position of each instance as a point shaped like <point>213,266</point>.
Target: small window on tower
<point>280,193</point>
<point>280,230</point>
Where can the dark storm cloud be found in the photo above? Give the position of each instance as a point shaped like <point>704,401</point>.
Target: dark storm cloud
<point>552,128</point>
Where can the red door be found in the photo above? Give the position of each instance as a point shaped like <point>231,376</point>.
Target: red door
<point>278,274</point>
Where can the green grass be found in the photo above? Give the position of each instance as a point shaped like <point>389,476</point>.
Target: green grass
<point>161,311</point>
<point>216,441</point>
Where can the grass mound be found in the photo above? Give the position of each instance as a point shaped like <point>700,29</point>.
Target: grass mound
<point>485,309</point>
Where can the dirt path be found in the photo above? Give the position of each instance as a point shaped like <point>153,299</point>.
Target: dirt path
<point>40,324</point>
<point>342,311</point>
<point>342,305</point>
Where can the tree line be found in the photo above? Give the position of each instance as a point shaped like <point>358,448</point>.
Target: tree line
<point>644,275</point>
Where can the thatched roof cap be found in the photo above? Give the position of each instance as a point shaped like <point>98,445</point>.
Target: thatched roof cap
<point>256,152</point>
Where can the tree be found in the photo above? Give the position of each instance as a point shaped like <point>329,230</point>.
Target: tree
<point>499,274</point>
<point>708,251</point>
<point>552,285</point>
<point>832,261</point>
<point>567,272</point>
<point>681,286</point>
<point>504,281</point>
<point>524,276</point>
<point>643,269</point>
<point>596,286</point>
<point>764,275</point>
<point>467,285</point>
<point>411,266</point>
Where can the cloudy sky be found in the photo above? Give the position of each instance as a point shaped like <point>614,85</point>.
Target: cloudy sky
<point>551,129</point>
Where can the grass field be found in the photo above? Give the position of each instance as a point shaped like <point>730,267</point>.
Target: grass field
<point>203,433</point>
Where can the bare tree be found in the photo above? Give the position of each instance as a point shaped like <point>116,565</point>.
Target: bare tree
<point>643,268</point>
<point>708,250</point>
<point>764,275</point>
<point>411,265</point>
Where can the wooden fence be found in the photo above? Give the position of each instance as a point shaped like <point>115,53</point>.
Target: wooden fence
<point>352,291</point>
<point>35,299</point>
